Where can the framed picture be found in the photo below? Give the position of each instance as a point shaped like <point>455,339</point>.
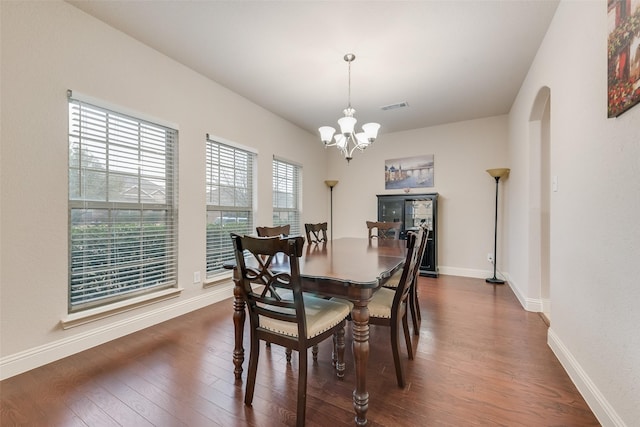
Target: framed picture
<point>409,172</point>
<point>623,55</point>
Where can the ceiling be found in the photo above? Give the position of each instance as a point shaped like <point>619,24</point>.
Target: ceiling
<point>448,60</point>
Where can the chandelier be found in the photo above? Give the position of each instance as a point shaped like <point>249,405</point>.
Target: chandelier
<point>347,140</point>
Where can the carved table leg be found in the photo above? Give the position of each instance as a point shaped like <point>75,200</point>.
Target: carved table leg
<point>360,323</point>
<point>238,324</point>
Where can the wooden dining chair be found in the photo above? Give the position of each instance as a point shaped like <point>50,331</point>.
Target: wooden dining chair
<point>384,230</point>
<point>297,323</point>
<point>279,230</point>
<point>316,233</point>
<point>414,302</point>
<point>389,307</point>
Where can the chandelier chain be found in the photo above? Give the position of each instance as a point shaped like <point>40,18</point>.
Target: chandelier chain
<point>349,99</point>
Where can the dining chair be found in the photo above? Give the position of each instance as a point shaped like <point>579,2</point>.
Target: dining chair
<point>384,230</point>
<point>414,302</point>
<point>388,307</point>
<point>297,323</point>
<point>316,233</point>
<point>279,230</point>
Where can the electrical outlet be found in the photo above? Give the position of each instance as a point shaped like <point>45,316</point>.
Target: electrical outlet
<point>490,258</point>
<point>196,277</point>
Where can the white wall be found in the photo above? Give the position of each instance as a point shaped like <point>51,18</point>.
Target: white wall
<point>47,48</point>
<point>466,203</point>
<point>595,231</point>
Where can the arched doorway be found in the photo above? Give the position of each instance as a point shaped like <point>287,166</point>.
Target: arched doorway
<point>540,200</point>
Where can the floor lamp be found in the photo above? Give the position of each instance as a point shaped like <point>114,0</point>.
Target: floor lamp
<point>331,184</point>
<point>496,174</point>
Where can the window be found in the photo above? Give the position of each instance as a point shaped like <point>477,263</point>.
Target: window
<point>286,190</point>
<point>229,181</point>
<point>122,206</point>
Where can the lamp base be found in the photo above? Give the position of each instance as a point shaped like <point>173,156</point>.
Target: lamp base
<point>495,281</point>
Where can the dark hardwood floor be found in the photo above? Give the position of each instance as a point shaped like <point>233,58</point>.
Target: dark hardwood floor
<point>480,360</point>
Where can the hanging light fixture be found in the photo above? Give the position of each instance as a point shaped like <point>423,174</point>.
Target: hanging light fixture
<point>347,140</point>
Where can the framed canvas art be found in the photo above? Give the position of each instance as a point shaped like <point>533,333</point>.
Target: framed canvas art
<point>623,55</point>
<point>409,172</point>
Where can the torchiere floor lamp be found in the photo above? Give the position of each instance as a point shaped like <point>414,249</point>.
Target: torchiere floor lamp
<point>496,174</point>
<point>331,184</point>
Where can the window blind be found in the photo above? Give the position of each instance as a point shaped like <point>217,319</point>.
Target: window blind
<point>229,192</point>
<point>286,194</point>
<point>122,206</point>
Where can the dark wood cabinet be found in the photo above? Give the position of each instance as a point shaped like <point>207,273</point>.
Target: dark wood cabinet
<point>413,210</point>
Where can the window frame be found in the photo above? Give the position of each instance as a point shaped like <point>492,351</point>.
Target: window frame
<point>122,244</point>
<point>287,194</point>
<point>236,215</point>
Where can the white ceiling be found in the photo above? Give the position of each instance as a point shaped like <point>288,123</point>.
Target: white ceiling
<point>449,60</point>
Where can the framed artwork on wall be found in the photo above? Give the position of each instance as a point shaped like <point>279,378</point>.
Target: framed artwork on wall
<point>623,71</point>
<point>409,172</point>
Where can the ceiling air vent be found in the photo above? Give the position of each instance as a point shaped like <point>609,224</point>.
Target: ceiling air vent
<point>395,106</point>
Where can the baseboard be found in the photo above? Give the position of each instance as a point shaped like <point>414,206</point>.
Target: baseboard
<point>464,272</point>
<point>32,358</point>
<point>601,408</point>
<point>535,305</point>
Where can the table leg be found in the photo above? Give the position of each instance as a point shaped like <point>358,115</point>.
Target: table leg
<point>360,324</point>
<point>238,324</point>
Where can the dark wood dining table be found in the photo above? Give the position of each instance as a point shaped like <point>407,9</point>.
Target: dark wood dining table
<point>356,267</point>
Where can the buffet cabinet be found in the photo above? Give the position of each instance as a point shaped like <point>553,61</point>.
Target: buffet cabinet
<point>413,210</point>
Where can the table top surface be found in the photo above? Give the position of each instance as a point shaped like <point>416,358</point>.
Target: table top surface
<point>354,261</point>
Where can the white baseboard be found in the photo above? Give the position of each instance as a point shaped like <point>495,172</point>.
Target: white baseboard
<point>535,305</point>
<point>464,272</point>
<point>601,408</point>
<point>23,361</point>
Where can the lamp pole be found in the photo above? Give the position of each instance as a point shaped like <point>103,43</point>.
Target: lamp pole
<point>496,174</point>
<point>331,184</point>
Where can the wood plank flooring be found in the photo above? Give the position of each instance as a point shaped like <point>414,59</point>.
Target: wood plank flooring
<point>480,360</point>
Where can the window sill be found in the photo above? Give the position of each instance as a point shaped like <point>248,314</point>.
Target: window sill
<point>91,315</point>
<point>218,279</point>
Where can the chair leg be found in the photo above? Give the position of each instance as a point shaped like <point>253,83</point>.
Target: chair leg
<point>253,368</point>
<point>395,349</point>
<point>340,346</point>
<point>334,351</point>
<point>302,388</point>
<point>314,352</point>
<point>288,353</point>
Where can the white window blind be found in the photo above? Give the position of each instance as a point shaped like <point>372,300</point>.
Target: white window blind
<point>229,187</point>
<point>122,206</point>
<point>286,194</point>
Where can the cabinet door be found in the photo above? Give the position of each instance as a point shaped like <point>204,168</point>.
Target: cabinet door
<point>418,212</point>
<point>390,210</point>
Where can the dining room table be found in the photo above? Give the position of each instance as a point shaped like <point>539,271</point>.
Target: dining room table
<point>356,269</point>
